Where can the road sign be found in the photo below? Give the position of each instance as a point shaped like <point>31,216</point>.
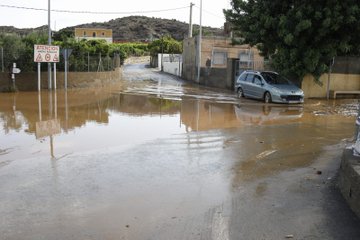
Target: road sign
<point>66,52</point>
<point>16,70</point>
<point>46,53</point>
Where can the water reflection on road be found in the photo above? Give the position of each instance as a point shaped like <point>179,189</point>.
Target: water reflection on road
<point>149,160</point>
<point>79,118</point>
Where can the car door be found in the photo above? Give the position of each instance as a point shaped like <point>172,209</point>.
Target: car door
<point>258,87</point>
<point>240,81</point>
<point>247,85</point>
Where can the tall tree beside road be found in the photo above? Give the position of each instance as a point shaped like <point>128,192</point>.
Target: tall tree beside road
<point>300,37</point>
<point>13,48</point>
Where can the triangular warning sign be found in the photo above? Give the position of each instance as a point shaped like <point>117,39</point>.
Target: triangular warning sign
<point>56,58</point>
<point>39,58</point>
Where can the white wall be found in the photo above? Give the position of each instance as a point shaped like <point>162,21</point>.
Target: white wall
<point>172,63</point>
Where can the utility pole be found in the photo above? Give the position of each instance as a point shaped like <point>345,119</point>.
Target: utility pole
<point>331,64</point>
<point>200,38</point>
<point>49,43</point>
<point>162,53</point>
<point>190,21</point>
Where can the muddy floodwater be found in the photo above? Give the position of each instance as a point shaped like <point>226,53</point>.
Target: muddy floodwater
<point>153,157</point>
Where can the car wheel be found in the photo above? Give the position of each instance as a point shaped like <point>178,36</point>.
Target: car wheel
<point>267,97</point>
<point>240,93</point>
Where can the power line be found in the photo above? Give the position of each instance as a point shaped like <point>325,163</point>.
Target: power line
<point>215,15</point>
<point>91,12</point>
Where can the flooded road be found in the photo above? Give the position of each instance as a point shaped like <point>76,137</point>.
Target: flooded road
<point>154,157</point>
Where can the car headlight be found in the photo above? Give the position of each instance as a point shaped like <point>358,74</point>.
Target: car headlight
<point>275,90</point>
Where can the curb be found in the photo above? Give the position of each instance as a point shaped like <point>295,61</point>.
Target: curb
<point>349,180</point>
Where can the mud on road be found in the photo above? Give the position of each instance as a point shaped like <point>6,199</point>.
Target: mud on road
<point>155,157</point>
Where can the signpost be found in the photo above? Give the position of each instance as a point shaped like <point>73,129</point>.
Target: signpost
<point>66,54</point>
<point>46,54</point>
<point>14,71</point>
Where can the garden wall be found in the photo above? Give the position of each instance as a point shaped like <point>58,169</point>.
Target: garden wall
<point>28,81</point>
<point>338,81</point>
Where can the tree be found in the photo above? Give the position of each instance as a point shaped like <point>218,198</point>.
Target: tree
<point>165,44</point>
<point>20,49</point>
<point>300,37</point>
<point>13,48</point>
<point>26,62</point>
<point>63,34</point>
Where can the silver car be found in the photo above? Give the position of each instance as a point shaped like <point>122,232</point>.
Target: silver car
<point>268,86</point>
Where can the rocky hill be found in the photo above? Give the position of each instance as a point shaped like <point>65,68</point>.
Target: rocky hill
<point>133,28</point>
<point>140,28</point>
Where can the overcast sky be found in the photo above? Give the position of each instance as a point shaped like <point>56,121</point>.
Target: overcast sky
<point>26,18</point>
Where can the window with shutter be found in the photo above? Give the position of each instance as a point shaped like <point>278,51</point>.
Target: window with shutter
<point>219,58</point>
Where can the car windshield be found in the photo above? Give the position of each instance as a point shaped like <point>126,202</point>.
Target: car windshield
<point>274,79</point>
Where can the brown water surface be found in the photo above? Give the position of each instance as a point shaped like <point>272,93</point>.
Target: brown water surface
<point>150,160</point>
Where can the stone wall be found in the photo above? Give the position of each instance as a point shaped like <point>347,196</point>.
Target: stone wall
<point>338,81</point>
<point>219,77</point>
<point>28,81</point>
<point>345,76</point>
<point>349,180</point>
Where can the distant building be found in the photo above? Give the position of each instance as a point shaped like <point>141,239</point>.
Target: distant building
<point>221,61</point>
<point>94,34</point>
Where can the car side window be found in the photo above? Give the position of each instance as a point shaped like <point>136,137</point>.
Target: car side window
<point>257,80</point>
<point>243,77</point>
<point>249,77</point>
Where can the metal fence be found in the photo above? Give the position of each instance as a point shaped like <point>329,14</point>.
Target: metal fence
<point>90,63</point>
<point>2,59</point>
<point>241,66</point>
<point>346,65</point>
<point>78,62</point>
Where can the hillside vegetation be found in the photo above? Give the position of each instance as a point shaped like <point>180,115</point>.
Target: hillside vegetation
<point>22,31</point>
<point>129,29</point>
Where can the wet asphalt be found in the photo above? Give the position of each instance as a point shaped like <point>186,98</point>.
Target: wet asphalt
<point>155,157</point>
